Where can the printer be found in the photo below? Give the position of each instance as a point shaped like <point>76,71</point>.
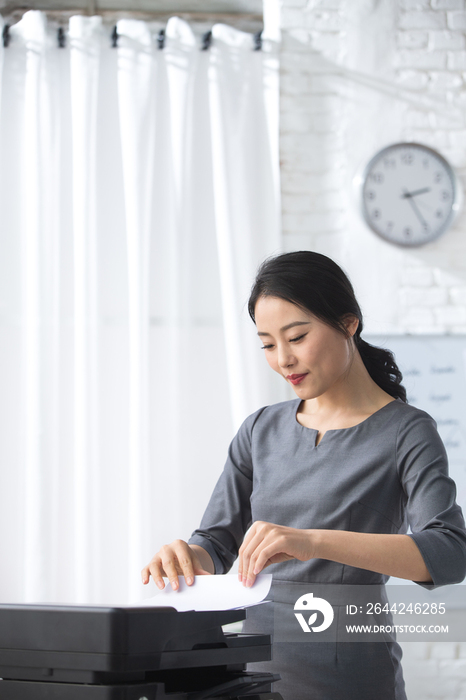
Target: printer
<point>58,652</point>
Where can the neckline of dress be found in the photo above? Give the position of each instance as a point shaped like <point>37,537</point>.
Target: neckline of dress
<point>339,430</point>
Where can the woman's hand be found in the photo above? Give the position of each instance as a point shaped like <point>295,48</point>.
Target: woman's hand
<point>178,558</point>
<point>266,544</point>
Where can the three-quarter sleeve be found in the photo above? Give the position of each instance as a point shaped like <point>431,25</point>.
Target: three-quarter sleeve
<point>228,513</point>
<point>436,521</point>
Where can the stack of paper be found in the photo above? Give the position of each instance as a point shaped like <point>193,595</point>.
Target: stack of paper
<point>212,593</point>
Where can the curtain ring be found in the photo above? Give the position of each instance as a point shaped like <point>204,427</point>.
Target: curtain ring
<point>6,35</point>
<point>114,37</point>
<point>206,41</point>
<point>61,38</point>
<point>161,39</point>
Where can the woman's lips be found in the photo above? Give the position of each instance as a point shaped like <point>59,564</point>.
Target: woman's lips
<point>296,378</point>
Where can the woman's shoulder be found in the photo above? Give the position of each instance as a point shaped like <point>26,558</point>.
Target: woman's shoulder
<point>407,424</point>
<point>272,414</point>
<point>416,433</point>
<point>409,414</point>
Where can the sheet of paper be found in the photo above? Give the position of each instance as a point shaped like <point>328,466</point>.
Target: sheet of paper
<point>211,593</point>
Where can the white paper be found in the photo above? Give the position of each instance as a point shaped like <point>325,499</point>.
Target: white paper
<point>211,593</point>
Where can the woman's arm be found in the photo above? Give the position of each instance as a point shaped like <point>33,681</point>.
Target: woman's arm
<point>228,513</point>
<point>392,555</point>
<point>436,520</point>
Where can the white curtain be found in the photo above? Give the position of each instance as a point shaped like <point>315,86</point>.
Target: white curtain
<point>139,191</point>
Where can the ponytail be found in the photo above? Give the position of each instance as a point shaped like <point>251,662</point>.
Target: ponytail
<point>382,368</point>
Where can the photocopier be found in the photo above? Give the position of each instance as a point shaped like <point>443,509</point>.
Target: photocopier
<point>58,652</point>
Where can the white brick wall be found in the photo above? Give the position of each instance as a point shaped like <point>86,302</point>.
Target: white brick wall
<point>453,41</point>
<point>457,20</point>
<point>425,19</point>
<point>356,76</point>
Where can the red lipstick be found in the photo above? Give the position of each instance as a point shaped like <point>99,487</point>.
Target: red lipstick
<point>296,378</point>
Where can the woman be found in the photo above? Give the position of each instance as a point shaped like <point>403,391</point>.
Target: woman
<point>327,483</point>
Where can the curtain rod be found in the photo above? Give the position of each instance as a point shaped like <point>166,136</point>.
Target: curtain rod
<point>14,12</point>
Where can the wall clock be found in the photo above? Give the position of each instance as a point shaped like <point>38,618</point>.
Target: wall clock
<point>410,194</point>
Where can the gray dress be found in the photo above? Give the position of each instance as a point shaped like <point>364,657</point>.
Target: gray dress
<point>379,476</point>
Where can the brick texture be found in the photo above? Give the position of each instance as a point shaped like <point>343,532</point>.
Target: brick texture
<point>425,20</point>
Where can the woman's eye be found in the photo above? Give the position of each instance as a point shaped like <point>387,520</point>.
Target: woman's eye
<point>291,340</point>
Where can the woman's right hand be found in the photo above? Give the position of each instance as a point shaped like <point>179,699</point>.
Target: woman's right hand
<point>178,558</point>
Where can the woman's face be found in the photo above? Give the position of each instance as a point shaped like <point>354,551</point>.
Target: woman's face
<point>312,356</point>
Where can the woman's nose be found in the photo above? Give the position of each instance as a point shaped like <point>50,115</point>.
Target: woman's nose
<point>285,358</point>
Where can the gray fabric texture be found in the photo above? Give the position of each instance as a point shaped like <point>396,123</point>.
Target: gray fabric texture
<point>380,476</point>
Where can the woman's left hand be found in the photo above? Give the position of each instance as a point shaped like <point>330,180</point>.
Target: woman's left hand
<point>266,543</point>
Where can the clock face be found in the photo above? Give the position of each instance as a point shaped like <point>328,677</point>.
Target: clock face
<point>409,194</point>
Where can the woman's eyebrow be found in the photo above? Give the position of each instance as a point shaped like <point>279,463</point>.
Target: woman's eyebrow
<point>289,325</point>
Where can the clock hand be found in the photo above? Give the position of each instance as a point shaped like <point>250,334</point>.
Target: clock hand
<point>407,195</point>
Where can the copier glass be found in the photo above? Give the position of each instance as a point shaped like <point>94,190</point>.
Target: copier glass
<point>57,652</point>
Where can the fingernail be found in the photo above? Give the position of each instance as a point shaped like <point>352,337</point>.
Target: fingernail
<point>189,580</point>
<point>174,585</point>
<point>240,578</point>
<point>160,584</point>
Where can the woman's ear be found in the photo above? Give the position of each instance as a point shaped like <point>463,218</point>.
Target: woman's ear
<point>351,324</point>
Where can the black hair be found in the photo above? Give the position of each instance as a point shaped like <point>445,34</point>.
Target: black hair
<point>317,284</point>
